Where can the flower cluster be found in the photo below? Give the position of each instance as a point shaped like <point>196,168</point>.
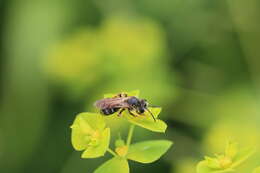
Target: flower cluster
<point>226,162</point>
<point>89,134</point>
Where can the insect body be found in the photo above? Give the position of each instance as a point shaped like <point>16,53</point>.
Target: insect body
<point>122,102</point>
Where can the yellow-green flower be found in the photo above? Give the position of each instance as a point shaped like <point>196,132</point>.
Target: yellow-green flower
<point>145,120</point>
<point>225,162</point>
<point>145,41</point>
<point>89,134</point>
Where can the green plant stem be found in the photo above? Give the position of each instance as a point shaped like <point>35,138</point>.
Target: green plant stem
<point>130,134</point>
<point>111,152</point>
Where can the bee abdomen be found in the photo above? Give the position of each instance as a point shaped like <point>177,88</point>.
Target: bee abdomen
<point>109,111</point>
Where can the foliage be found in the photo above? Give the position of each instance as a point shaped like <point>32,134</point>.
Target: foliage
<point>89,134</point>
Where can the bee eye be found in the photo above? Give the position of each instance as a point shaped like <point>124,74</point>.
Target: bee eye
<point>144,103</point>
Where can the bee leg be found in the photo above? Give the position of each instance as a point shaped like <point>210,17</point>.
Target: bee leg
<point>131,113</point>
<point>121,95</point>
<point>152,106</point>
<point>120,112</point>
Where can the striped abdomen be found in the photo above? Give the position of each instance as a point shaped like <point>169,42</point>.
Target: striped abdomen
<point>109,111</point>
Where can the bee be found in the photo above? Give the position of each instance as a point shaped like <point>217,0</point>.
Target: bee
<point>122,102</point>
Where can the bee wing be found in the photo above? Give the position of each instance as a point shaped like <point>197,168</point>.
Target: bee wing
<point>117,102</point>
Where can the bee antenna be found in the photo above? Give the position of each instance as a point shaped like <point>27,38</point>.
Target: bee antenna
<point>151,114</point>
<point>152,106</point>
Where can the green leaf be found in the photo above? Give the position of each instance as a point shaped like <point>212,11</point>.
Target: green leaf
<point>134,93</point>
<point>109,95</point>
<point>79,140</point>
<point>242,156</point>
<point>94,120</point>
<point>146,120</point>
<point>101,148</point>
<point>131,93</point>
<point>202,167</point>
<point>80,133</point>
<point>156,111</point>
<point>114,165</point>
<point>257,170</point>
<point>148,151</point>
<point>158,126</point>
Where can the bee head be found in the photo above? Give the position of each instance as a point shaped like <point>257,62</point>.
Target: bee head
<point>143,106</point>
<point>139,105</point>
<point>144,103</point>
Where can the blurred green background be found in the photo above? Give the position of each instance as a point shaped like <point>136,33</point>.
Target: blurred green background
<point>199,60</point>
